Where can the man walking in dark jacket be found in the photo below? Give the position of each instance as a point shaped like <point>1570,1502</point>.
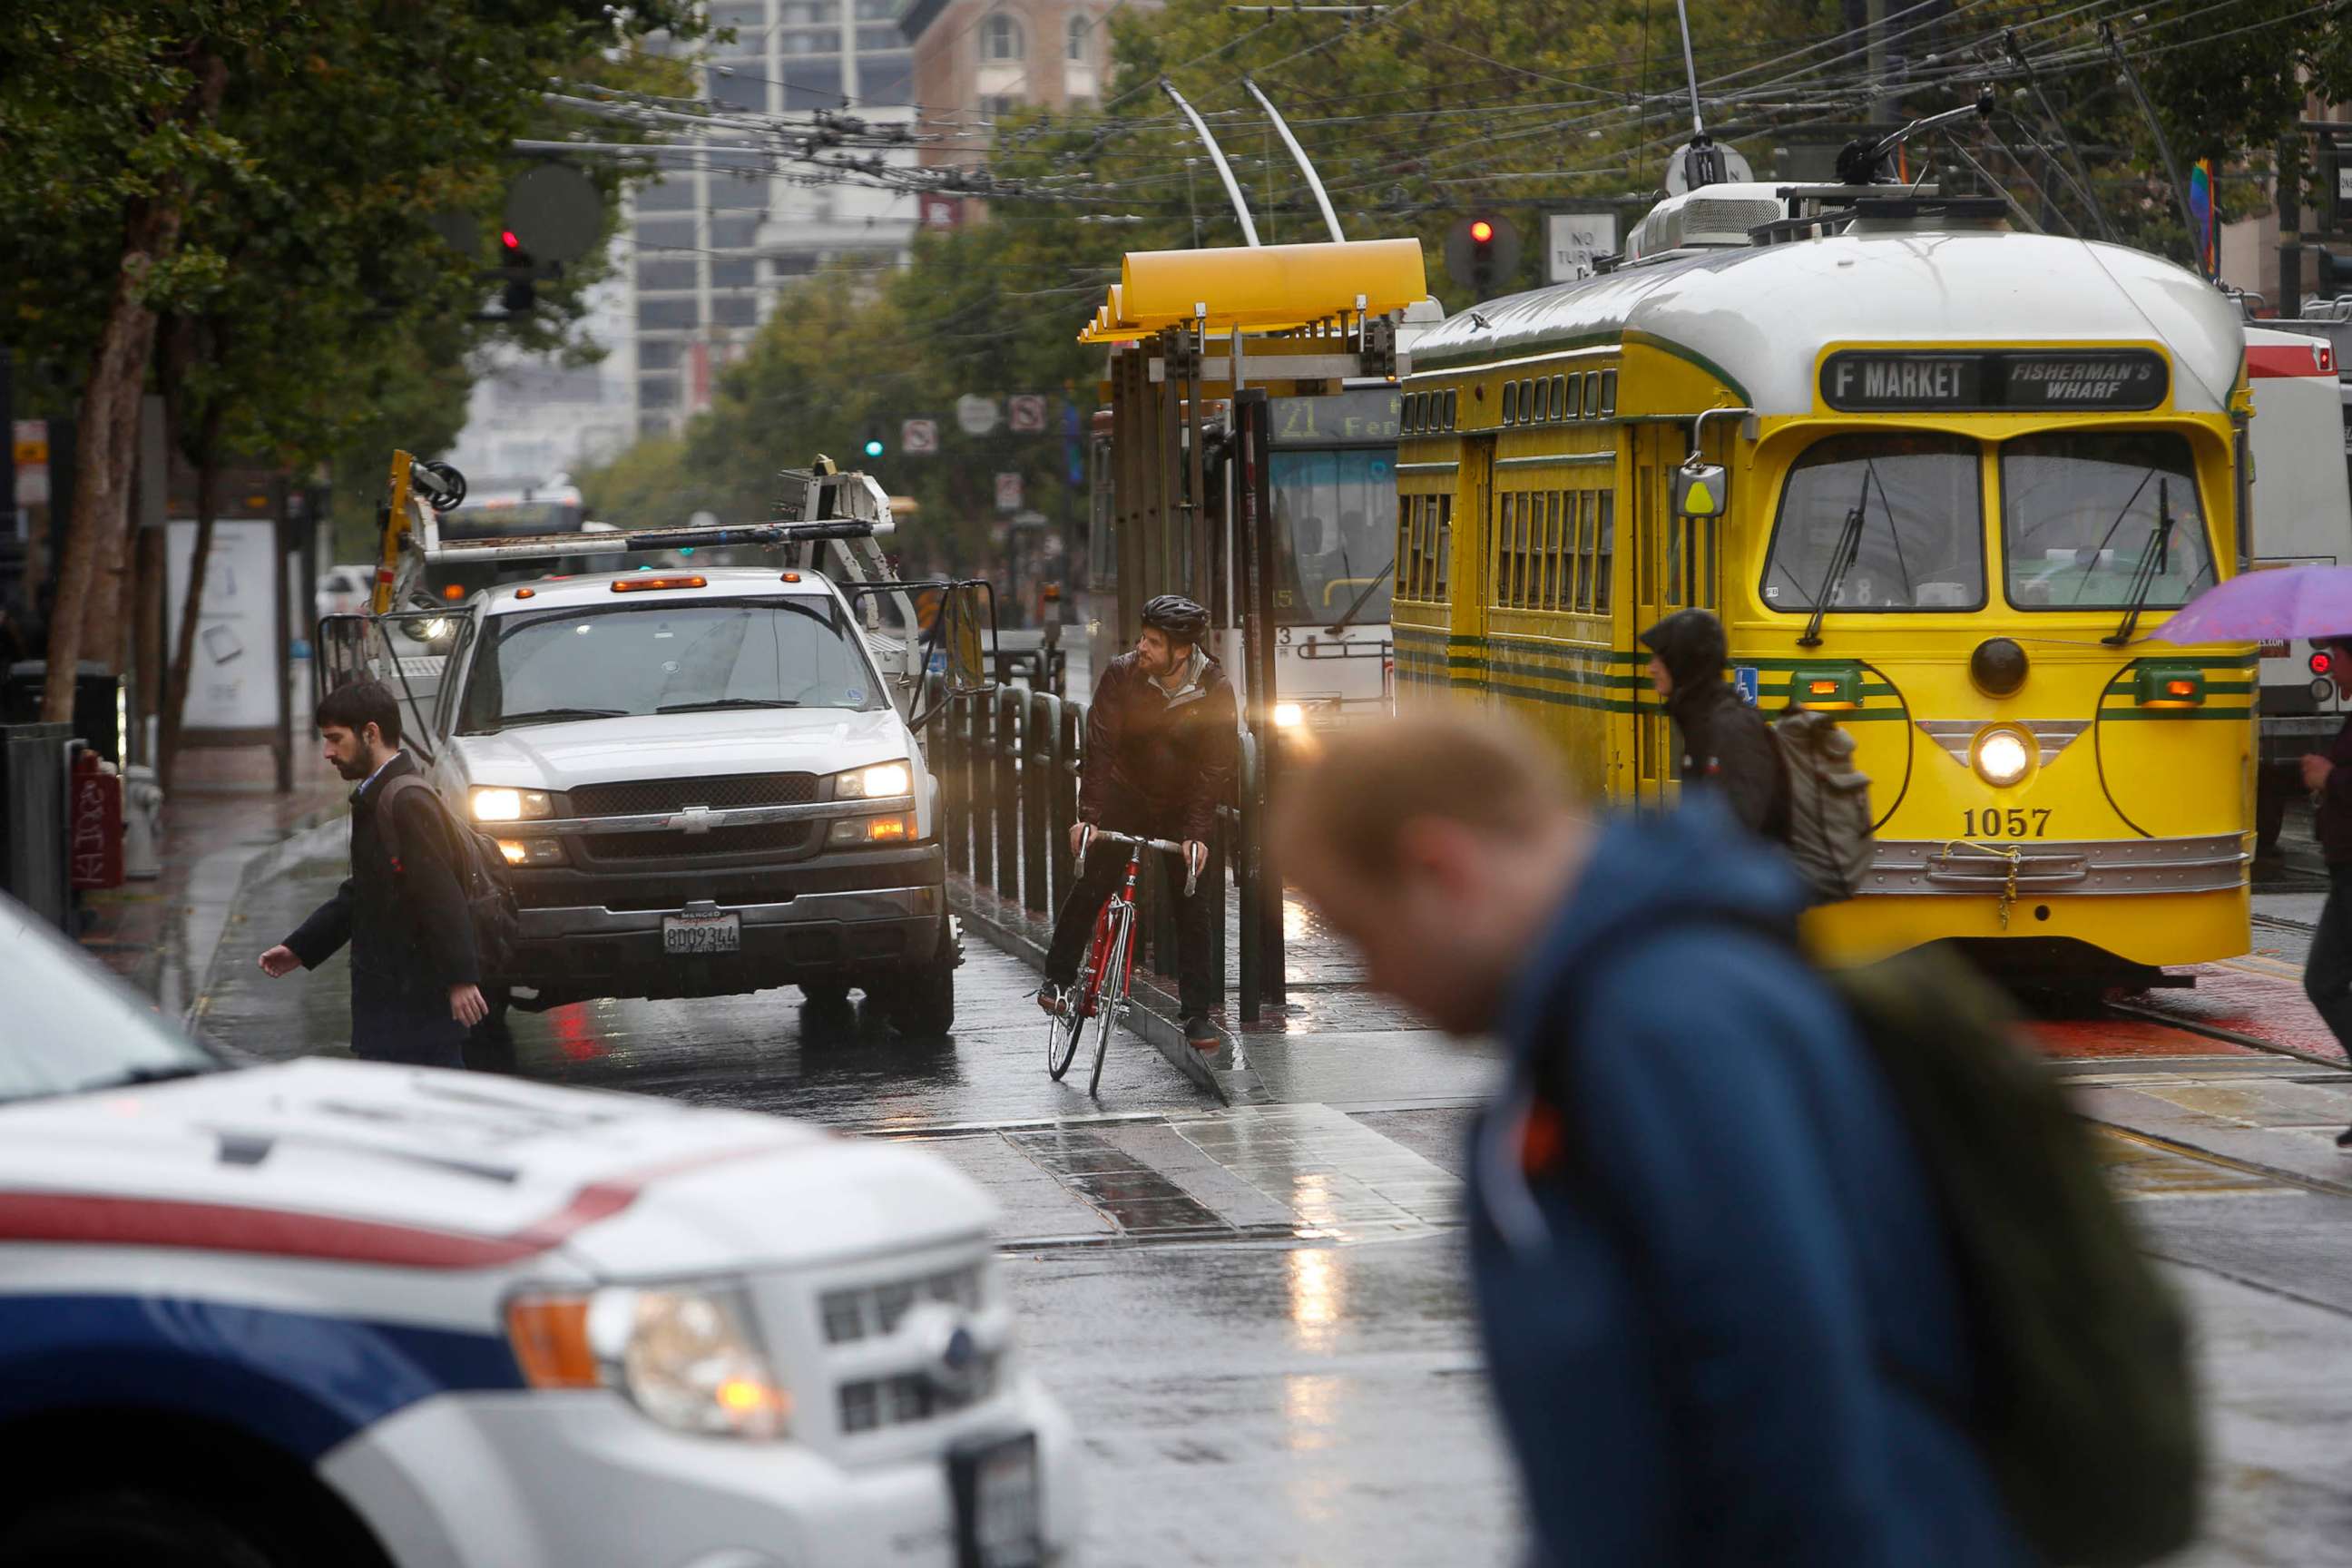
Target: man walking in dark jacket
<point>1159,762</point>
<point>2327,972</point>
<point>1727,746</point>
<point>414,982</point>
<point>1711,1276</point>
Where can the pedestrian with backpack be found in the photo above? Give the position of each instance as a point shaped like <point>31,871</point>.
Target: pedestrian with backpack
<point>1727,746</point>
<point>405,909</point>
<point>1743,1289</point>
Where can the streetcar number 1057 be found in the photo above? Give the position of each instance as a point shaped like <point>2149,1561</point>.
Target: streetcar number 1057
<point>2011,822</point>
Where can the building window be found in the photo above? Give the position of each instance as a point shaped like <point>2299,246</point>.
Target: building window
<point>1000,39</point>
<point>886,81</point>
<point>735,310</point>
<point>659,313</point>
<point>733,272</point>
<point>997,107</point>
<point>657,353</point>
<point>661,274</point>
<point>656,392</point>
<point>812,84</point>
<point>733,233</point>
<point>1081,38</point>
<point>739,86</point>
<point>877,10</point>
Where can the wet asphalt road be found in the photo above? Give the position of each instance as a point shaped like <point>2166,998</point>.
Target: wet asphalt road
<point>1256,1317</point>
<point>1257,1314</point>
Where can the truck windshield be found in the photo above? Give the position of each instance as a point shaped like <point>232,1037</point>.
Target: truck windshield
<point>1880,522</point>
<point>705,655</point>
<point>2091,516</point>
<point>1334,520</point>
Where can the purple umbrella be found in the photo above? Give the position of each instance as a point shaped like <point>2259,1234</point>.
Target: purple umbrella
<point>2276,605</point>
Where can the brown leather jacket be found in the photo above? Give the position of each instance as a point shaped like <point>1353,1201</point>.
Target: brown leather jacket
<point>1170,759</point>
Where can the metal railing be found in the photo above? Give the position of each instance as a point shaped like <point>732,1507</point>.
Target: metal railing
<point>1008,764</point>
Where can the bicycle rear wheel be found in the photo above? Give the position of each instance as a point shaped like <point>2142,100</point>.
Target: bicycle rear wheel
<point>1112,999</point>
<point>1064,1028</point>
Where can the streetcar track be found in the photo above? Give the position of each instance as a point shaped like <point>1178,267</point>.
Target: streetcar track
<point>2216,1032</point>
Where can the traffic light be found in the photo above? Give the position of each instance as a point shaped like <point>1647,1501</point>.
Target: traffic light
<point>520,272</point>
<point>872,440</point>
<point>1482,253</point>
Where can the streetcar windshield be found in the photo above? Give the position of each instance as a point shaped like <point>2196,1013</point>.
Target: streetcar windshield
<point>1334,520</point>
<point>1880,522</point>
<point>2090,517</point>
<point>500,519</point>
<point>686,658</point>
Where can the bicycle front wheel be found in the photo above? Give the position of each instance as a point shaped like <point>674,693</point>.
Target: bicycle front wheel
<point>1113,998</point>
<point>1063,1028</point>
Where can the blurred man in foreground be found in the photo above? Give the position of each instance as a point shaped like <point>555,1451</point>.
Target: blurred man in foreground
<point>1712,1281</point>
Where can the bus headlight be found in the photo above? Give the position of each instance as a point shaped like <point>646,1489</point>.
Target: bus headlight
<point>2001,756</point>
<point>877,782</point>
<point>495,803</point>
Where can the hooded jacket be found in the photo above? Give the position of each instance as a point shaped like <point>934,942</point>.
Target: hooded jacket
<point>1727,746</point>
<point>1169,757</point>
<point>1711,1275</point>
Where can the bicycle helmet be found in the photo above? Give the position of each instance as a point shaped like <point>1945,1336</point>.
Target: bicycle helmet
<point>1180,617</point>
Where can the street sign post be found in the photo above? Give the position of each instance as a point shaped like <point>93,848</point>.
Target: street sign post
<point>1028,411</point>
<point>1573,240</point>
<point>918,437</point>
<point>1008,492</point>
<point>977,415</point>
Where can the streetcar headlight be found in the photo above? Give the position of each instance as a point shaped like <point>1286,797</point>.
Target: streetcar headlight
<point>496,804</point>
<point>1288,715</point>
<point>876,782</point>
<point>685,1355</point>
<point>2001,756</point>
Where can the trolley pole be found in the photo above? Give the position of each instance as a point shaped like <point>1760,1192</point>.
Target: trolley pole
<point>1216,156</point>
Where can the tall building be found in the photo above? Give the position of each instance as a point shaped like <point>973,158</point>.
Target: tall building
<point>976,60</point>
<point>714,240</point>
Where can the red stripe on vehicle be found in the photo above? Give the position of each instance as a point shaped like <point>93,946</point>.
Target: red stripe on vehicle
<point>2289,359</point>
<point>88,1218</point>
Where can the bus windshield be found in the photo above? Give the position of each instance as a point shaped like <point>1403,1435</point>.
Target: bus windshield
<point>688,657</point>
<point>2088,516</point>
<point>1334,520</point>
<point>499,520</point>
<point>1880,522</point>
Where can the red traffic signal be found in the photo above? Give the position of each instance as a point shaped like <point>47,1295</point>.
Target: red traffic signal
<point>1481,230</point>
<point>506,239</point>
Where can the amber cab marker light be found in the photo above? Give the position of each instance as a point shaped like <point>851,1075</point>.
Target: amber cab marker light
<point>526,592</point>
<point>452,591</point>
<point>649,584</point>
<point>549,1336</point>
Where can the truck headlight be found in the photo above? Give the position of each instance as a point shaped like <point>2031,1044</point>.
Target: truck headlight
<point>877,782</point>
<point>493,804</point>
<point>684,1355</point>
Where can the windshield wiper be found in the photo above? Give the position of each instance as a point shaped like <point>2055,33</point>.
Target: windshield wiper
<point>715,704</point>
<point>2153,562</point>
<point>1842,560</point>
<point>555,716</point>
<point>1371,588</point>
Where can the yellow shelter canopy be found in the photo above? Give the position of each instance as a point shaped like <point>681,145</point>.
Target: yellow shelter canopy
<point>1265,288</point>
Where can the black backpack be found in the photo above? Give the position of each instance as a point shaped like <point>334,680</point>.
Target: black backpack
<point>2084,1405</point>
<point>479,868</point>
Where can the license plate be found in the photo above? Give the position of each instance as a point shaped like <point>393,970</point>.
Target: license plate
<point>998,1521</point>
<point>693,936</point>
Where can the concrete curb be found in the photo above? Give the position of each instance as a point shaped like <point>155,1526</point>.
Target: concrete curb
<point>1154,1015</point>
<point>237,869</point>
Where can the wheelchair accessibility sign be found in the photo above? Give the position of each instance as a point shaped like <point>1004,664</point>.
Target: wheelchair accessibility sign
<point>1743,678</point>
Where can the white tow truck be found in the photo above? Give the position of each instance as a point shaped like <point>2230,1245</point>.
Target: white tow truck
<point>705,780</point>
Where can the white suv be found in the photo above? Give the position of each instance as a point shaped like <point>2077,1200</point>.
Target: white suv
<point>332,1312</point>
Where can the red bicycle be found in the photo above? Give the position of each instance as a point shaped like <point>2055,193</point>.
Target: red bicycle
<point>1109,966</point>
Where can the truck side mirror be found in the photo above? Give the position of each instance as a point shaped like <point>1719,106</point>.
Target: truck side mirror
<point>966,611</point>
<point>1702,491</point>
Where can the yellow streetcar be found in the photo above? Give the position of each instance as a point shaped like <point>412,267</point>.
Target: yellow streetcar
<point>1937,477</point>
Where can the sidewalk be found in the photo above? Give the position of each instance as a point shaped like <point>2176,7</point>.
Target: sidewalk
<point>224,810</point>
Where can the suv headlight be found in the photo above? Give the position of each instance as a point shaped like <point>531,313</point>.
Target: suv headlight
<point>882,780</point>
<point>492,803</point>
<point>684,1355</point>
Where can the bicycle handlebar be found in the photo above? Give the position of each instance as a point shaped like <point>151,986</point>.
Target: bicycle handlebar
<point>1191,877</point>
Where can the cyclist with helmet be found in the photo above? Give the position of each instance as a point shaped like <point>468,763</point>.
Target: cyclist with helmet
<point>1159,761</point>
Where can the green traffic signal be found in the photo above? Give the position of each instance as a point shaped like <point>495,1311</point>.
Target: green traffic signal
<point>874,446</point>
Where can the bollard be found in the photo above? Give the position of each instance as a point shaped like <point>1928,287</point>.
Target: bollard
<point>1251,821</point>
<point>1063,792</point>
<point>977,765</point>
<point>1006,761</point>
<point>1039,725</point>
<point>142,822</point>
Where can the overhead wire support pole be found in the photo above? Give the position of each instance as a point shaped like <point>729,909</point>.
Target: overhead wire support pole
<point>2163,144</point>
<point>1216,156</point>
<point>1314,181</point>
